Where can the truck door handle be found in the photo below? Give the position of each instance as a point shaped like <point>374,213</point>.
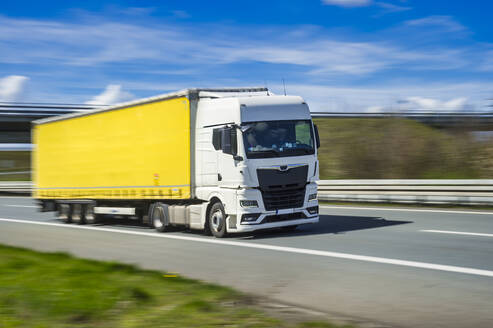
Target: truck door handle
<point>219,177</point>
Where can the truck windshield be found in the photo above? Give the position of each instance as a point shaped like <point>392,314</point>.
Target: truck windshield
<point>278,138</point>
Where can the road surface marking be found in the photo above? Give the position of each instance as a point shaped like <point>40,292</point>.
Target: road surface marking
<point>30,206</point>
<point>460,233</point>
<point>423,265</point>
<point>404,210</point>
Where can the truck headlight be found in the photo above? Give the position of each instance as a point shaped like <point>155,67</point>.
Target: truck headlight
<point>312,196</point>
<point>248,203</point>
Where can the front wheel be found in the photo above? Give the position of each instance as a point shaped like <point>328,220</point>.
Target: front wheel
<point>217,220</point>
<point>159,217</point>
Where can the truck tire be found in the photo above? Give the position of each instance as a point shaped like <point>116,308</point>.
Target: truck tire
<point>159,216</point>
<point>76,211</point>
<point>63,213</point>
<point>217,220</point>
<point>88,214</point>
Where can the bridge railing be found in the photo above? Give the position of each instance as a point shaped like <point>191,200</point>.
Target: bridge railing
<point>16,187</point>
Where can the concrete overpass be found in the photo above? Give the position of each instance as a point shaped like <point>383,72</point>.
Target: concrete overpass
<point>16,118</point>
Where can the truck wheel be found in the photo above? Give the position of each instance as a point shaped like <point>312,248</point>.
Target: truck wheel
<point>76,210</point>
<point>63,213</point>
<point>159,217</point>
<point>88,214</point>
<point>217,220</point>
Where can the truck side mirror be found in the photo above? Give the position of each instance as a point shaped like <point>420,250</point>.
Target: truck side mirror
<point>317,137</point>
<point>234,142</point>
<point>228,141</point>
<point>216,138</point>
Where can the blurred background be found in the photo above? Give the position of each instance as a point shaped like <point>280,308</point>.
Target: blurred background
<point>399,89</point>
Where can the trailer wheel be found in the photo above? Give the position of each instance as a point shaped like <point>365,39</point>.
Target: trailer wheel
<point>217,220</point>
<point>63,213</point>
<point>159,217</point>
<point>76,211</point>
<point>88,214</point>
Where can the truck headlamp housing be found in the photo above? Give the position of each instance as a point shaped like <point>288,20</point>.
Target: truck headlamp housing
<point>248,203</point>
<point>312,196</point>
<point>312,210</point>
<point>251,217</point>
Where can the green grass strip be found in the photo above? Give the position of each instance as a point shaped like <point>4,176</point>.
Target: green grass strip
<point>57,290</point>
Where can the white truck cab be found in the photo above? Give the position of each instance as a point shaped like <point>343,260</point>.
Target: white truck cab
<point>256,158</point>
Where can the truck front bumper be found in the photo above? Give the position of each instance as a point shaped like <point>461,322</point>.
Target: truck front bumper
<point>257,217</point>
<point>272,220</point>
<point>273,225</point>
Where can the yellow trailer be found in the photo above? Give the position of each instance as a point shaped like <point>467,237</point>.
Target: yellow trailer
<point>138,150</point>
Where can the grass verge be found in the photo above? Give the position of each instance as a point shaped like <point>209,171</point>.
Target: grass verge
<point>12,161</point>
<point>57,290</point>
<point>395,148</point>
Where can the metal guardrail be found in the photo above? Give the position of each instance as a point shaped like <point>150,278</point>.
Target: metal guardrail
<point>457,192</point>
<point>14,172</point>
<point>17,187</point>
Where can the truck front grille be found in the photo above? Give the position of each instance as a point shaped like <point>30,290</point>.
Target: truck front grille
<point>282,199</point>
<point>283,189</point>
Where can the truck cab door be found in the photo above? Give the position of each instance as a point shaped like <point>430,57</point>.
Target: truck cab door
<point>227,159</point>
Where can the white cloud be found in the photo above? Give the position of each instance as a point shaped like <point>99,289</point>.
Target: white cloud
<point>445,22</point>
<point>13,87</point>
<point>347,3</point>
<point>456,103</point>
<point>392,96</point>
<point>388,8</point>
<point>435,104</point>
<point>228,55</point>
<point>113,94</point>
<point>106,42</point>
<point>375,109</point>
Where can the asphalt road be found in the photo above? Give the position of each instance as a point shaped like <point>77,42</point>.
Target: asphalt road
<point>383,266</point>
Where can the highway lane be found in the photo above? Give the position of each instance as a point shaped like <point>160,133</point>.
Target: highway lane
<point>387,294</point>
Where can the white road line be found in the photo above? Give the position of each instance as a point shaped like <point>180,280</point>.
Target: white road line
<point>30,206</point>
<point>423,265</point>
<point>460,233</point>
<point>404,210</point>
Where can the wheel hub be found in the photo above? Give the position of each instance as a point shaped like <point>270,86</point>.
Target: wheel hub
<point>217,220</point>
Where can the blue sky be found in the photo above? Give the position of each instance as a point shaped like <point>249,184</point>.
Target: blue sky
<point>340,55</point>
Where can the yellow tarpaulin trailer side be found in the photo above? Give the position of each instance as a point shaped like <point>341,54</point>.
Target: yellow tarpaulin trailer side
<point>137,152</point>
